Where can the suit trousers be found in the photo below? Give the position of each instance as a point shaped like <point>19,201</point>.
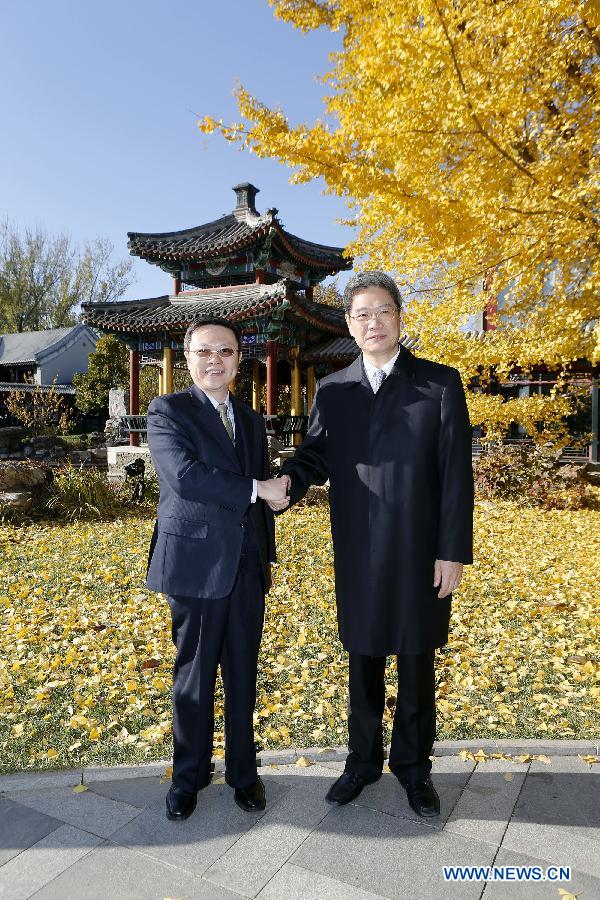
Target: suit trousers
<point>413,731</point>
<point>206,633</point>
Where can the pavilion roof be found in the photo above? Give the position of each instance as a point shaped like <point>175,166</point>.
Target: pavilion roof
<point>241,229</point>
<point>238,303</point>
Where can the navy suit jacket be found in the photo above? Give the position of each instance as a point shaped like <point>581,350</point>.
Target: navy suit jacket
<point>205,488</point>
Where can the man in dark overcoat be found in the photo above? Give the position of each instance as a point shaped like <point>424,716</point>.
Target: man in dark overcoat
<point>211,555</point>
<point>391,433</point>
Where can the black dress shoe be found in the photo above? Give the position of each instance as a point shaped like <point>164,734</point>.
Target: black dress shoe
<point>180,806</point>
<point>348,787</point>
<point>251,798</point>
<point>422,797</point>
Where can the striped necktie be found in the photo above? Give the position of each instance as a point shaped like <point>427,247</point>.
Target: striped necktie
<point>222,410</point>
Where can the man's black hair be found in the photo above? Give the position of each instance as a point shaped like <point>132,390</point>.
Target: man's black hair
<point>211,320</point>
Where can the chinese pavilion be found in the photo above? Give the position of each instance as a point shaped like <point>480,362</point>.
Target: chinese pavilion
<point>245,267</point>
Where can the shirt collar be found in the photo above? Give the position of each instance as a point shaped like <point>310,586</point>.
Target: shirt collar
<point>370,369</point>
<point>215,403</point>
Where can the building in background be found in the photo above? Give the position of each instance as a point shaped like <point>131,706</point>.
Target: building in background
<point>245,267</point>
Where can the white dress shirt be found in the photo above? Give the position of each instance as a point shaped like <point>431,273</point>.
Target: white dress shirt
<point>370,369</point>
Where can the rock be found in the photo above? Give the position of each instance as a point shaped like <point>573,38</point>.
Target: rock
<point>15,500</point>
<point>118,403</point>
<point>571,473</point>
<point>114,432</point>
<point>44,442</point>
<point>79,457</point>
<point>14,475</point>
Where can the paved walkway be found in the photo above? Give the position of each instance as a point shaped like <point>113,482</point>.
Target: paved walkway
<point>113,840</point>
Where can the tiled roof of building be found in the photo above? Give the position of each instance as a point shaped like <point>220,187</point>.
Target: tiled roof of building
<point>26,347</point>
<point>320,314</point>
<point>236,303</point>
<point>7,387</point>
<point>243,228</point>
<point>229,234</point>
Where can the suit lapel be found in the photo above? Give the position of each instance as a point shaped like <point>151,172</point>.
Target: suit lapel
<point>244,435</point>
<point>209,418</point>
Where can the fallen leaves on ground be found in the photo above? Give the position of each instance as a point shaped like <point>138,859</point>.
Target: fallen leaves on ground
<point>86,654</point>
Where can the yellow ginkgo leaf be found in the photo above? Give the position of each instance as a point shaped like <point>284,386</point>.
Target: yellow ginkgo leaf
<point>466,755</point>
<point>303,762</point>
<point>167,775</point>
<point>80,788</point>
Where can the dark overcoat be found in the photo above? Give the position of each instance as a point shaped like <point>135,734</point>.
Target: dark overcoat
<point>205,490</point>
<point>401,496</point>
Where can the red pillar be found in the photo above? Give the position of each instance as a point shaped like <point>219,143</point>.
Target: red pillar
<point>260,276</point>
<point>134,392</point>
<point>271,349</point>
<point>176,286</point>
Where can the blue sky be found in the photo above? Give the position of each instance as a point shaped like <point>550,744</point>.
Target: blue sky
<point>100,103</point>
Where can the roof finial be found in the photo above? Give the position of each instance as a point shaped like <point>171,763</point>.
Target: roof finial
<point>245,194</point>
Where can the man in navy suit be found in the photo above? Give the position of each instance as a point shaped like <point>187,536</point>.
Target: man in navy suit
<point>211,556</point>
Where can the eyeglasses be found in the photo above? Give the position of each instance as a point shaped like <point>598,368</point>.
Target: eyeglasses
<point>206,352</point>
<point>385,314</point>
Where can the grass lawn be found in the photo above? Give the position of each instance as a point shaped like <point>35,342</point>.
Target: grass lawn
<point>85,652</point>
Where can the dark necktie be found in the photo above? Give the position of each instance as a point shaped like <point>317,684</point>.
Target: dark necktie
<point>222,410</point>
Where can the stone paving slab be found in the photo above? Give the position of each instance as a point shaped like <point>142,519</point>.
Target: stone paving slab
<point>40,864</point>
<point>88,811</point>
<point>20,827</point>
<point>581,884</point>
<point>93,774</point>
<point>296,883</point>
<point>396,856</point>
<point>557,817</point>
<point>259,854</point>
<point>487,801</point>
<point>201,840</point>
<point>38,780</point>
<point>116,873</point>
<point>138,792</point>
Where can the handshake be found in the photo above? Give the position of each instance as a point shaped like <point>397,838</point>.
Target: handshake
<point>275,492</point>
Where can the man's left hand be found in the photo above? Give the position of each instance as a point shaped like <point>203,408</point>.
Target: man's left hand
<point>446,576</point>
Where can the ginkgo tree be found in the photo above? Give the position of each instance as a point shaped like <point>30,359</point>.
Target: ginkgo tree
<point>463,135</point>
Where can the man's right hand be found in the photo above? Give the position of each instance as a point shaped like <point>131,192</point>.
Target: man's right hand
<point>274,492</point>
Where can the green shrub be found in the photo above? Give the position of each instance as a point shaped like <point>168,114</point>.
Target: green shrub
<point>82,494</point>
